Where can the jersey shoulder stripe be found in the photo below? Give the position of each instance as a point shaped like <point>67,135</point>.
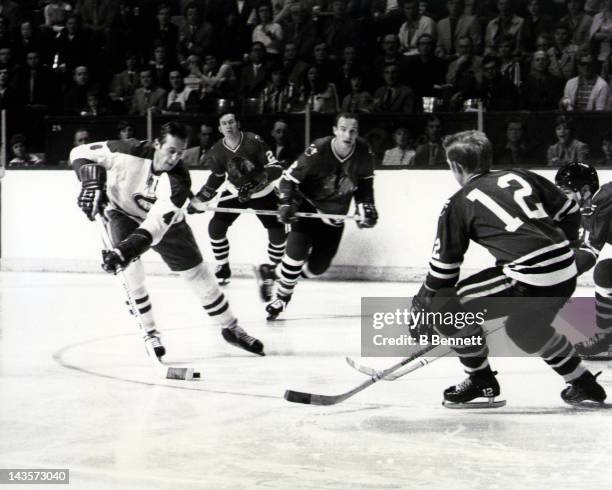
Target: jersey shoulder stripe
<point>133,147</point>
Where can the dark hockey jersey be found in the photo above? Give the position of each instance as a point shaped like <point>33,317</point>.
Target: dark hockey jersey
<point>519,217</point>
<point>596,221</point>
<point>132,186</point>
<point>328,181</point>
<point>251,147</point>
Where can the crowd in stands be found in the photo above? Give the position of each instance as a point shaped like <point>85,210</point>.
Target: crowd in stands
<point>126,57</point>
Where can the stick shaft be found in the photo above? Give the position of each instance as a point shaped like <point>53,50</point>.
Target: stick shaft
<point>268,212</point>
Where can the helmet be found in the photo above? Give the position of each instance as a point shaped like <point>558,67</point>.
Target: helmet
<point>576,175</point>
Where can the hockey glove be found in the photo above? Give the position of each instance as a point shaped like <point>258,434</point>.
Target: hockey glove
<point>128,250</point>
<point>199,203</point>
<point>286,213</point>
<point>421,304</point>
<point>92,199</point>
<point>368,213</point>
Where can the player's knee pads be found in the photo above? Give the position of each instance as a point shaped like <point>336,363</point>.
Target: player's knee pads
<point>603,274</point>
<point>201,281</point>
<point>135,275</point>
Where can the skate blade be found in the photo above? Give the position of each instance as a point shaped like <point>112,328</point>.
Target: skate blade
<point>490,403</point>
<point>603,356</point>
<point>223,282</point>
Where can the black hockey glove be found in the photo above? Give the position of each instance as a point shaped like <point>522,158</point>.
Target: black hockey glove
<point>368,213</point>
<point>92,199</point>
<point>199,203</point>
<point>128,250</point>
<point>421,304</point>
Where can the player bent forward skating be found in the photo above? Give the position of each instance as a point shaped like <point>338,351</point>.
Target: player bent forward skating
<point>244,161</point>
<point>580,181</point>
<point>324,179</point>
<point>523,220</point>
<point>141,187</point>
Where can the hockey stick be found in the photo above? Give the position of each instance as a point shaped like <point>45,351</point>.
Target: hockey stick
<point>167,372</point>
<point>368,371</point>
<point>266,212</point>
<point>313,399</point>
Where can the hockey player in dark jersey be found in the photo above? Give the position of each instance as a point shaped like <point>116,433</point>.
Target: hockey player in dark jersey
<point>580,181</point>
<point>250,168</point>
<point>525,222</point>
<point>324,179</point>
<point>141,187</point>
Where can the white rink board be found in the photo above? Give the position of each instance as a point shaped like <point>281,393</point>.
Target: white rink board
<point>43,229</point>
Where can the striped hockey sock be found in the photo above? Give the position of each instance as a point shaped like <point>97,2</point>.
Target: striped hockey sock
<point>474,357</point>
<point>276,251</point>
<point>143,302</point>
<point>560,355</point>
<point>288,274</point>
<point>221,249</point>
<point>603,308</point>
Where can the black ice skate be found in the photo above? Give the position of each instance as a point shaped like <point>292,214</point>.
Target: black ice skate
<point>481,384</point>
<point>153,344</point>
<point>223,274</point>
<point>584,389</point>
<point>596,348</point>
<point>277,306</point>
<point>265,276</point>
<point>238,337</point>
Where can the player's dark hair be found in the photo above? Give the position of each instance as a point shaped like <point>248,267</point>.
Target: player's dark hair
<point>565,121</point>
<point>173,128</point>
<point>226,112</point>
<point>346,115</point>
<point>470,149</point>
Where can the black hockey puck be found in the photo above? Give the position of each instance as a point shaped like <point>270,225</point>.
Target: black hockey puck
<point>196,375</point>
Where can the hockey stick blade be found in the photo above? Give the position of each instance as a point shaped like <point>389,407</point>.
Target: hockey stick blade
<point>368,371</point>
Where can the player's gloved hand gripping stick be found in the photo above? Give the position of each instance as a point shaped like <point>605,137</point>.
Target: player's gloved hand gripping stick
<point>168,372</point>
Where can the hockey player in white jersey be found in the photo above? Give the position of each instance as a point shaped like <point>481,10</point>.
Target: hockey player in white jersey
<point>140,187</point>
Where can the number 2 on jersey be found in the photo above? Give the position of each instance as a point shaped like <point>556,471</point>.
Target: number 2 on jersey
<point>512,222</point>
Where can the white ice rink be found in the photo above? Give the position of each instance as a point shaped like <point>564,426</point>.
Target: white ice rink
<point>76,392</point>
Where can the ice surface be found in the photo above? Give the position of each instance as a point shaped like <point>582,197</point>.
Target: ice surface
<point>77,392</point>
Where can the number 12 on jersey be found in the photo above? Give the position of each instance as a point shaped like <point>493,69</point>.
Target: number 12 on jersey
<point>512,223</point>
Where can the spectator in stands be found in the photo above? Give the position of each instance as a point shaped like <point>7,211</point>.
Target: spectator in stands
<point>81,137</point>
<point>11,11</point>
<point>510,65</point>
<point>464,75</point>
<point>319,92</point>
<point>218,81</point>
<point>160,66</point>
<point>339,30</point>
<point>516,151</point>
<point>321,60</point>
<point>567,149</point>
<point>541,90</point>
<point>578,23</point>
<point>267,32</point>
<point>536,23</point>
<point>179,99</point>
<point>195,36</point>
<point>255,73</point>
<point>72,47</point>
<point>97,16</point>
<point>128,32</point>
<point>244,10</point>
<point>295,69</point>
<point>505,24</point>
<point>164,32</point>
<point>148,96</point>
<point>606,149</point>
<point>414,26</point>
<point>402,153</point>
<point>193,79</point>
<point>430,152</point>
<point>393,96</point>
<point>301,30</point>
<point>282,146</point>
<point>7,61</point>
<point>124,84</point>
<point>278,95</point>
<point>588,91</point>
<point>75,96</point>
<point>55,13</point>
<point>94,106</point>
<point>452,28</point>
<point>194,157</point>
<point>36,84</point>
<point>28,39</point>
<point>601,31</point>
<point>348,67</point>
<point>563,54</point>
<point>21,156</point>
<point>496,92</point>
<point>359,100</point>
<point>125,130</point>
<point>390,55</point>
<point>233,38</point>
<point>427,71</point>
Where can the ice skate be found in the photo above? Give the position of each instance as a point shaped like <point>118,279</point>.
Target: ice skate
<point>236,336</point>
<point>153,344</point>
<point>481,384</point>
<point>265,276</point>
<point>584,389</point>
<point>598,347</point>
<point>223,273</point>
<point>277,306</point>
